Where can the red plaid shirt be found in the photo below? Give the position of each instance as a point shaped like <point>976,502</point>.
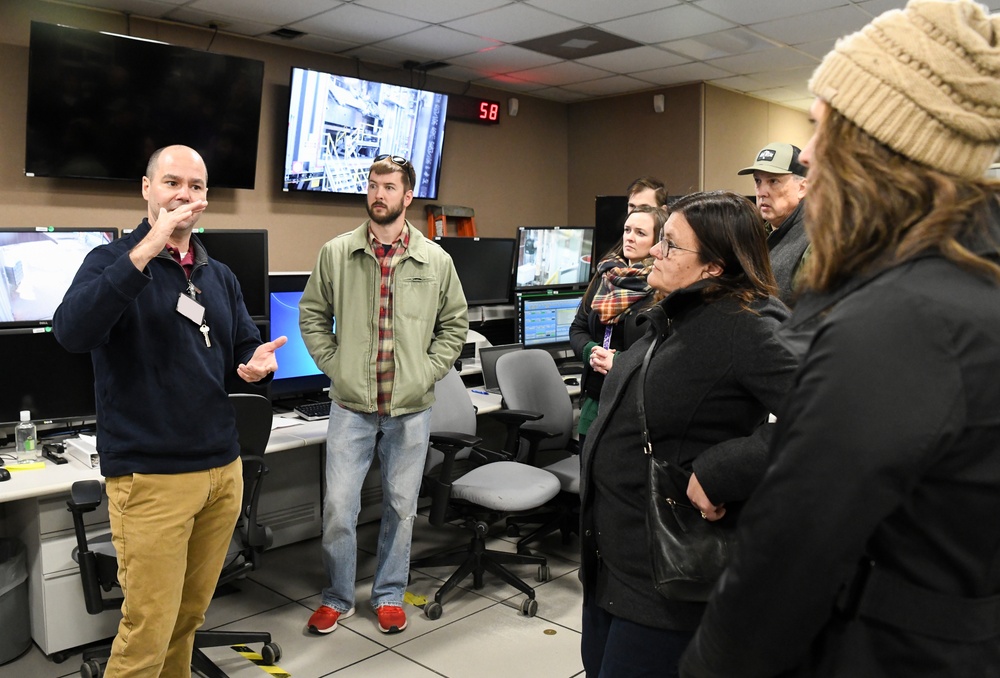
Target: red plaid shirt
<point>385,365</point>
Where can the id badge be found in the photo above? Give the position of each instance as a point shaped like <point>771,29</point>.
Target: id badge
<point>190,309</point>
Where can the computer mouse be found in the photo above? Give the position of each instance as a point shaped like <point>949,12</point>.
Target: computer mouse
<point>4,474</point>
<point>572,381</point>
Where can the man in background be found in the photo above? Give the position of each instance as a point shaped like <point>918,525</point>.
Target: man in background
<point>780,187</point>
<point>400,320</point>
<point>167,329</point>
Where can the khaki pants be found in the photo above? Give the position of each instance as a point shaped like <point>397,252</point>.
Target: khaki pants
<point>171,534</point>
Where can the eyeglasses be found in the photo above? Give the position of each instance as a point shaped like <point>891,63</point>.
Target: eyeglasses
<point>402,163</point>
<point>666,246</point>
<point>396,159</point>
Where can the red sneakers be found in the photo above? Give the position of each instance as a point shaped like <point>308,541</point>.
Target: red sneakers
<point>324,619</point>
<point>391,619</point>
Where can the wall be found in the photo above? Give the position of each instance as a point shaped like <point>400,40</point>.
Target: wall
<point>613,141</point>
<point>736,128</point>
<point>512,174</point>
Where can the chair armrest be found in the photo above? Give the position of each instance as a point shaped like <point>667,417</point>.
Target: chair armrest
<point>515,417</point>
<point>481,456</point>
<point>452,438</point>
<point>85,496</point>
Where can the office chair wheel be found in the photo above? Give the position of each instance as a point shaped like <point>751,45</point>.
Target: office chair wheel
<point>543,573</point>
<point>432,610</point>
<point>529,607</point>
<point>513,530</point>
<point>270,653</point>
<point>91,669</point>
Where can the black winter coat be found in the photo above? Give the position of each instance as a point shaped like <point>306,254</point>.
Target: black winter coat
<point>889,454</point>
<point>716,374</point>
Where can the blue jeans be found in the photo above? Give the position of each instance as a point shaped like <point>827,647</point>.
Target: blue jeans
<point>613,647</point>
<point>352,439</point>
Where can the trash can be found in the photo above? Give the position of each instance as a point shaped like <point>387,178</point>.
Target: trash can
<point>14,615</point>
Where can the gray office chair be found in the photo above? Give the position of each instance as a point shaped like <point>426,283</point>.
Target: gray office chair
<point>99,565</point>
<point>493,487</point>
<point>530,381</point>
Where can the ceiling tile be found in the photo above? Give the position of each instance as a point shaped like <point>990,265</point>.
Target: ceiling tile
<point>317,43</point>
<point>672,23</point>
<point>513,23</point>
<point>754,11</point>
<point>616,84</point>
<point>693,72</point>
<point>509,83</point>
<point>596,11</point>
<point>738,83</point>
<point>503,60</point>
<point>822,25</point>
<point>357,24</point>
<point>225,23</point>
<point>635,59</point>
<point>715,45</point>
<point>772,59</point>
<point>438,42</point>
<point>433,11</point>
<point>562,73</point>
<point>149,8</point>
<point>265,11</point>
<point>818,49</point>
<point>560,94</point>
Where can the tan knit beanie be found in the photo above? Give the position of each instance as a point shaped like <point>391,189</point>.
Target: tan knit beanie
<point>925,81</point>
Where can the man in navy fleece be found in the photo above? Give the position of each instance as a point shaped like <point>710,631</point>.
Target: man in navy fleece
<point>167,329</point>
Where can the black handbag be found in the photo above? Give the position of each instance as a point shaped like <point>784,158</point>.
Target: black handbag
<point>688,553</point>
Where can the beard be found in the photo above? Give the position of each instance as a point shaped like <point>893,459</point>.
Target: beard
<point>391,214</point>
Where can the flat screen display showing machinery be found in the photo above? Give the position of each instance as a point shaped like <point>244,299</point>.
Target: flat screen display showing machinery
<point>484,265</point>
<point>338,125</point>
<point>37,266</point>
<point>544,319</point>
<point>553,257</point>
<point>297,374</point>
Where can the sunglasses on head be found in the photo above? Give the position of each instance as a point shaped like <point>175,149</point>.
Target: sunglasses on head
<point>402,163</point>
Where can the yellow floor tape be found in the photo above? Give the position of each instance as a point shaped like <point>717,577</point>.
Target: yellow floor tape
<point>416,601</point>
<point>255,657</point>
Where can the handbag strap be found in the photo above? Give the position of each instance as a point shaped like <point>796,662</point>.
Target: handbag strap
<point>647,443</point>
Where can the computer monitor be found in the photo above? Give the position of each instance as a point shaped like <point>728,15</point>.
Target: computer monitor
<point>244,251</point>
<point>553,257</point>
<point>297,375</point>
<point>484,265</point>
<point>37,266</point>
<point>488,356</point>
<point>56,386</point>
<point>544,319</point>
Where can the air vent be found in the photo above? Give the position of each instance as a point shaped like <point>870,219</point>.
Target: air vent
<point>286,33</point>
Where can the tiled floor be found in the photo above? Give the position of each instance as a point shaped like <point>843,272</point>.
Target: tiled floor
<point>481,634</point>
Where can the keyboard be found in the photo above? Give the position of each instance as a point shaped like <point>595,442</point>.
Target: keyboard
<point>314,411</point>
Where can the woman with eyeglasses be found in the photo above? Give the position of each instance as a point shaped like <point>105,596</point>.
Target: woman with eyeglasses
<point>606,321</point>
<point>714,374</point>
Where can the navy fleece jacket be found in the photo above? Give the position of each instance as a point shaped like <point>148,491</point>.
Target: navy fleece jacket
<point>162,403</point>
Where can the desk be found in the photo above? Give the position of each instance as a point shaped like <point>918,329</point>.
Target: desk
<point>485,402</point>
<point>33,509</point>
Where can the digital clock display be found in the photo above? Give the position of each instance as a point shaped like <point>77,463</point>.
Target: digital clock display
<point>473,109</point>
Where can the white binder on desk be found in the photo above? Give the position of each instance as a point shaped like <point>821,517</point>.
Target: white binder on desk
<point>84,451</point>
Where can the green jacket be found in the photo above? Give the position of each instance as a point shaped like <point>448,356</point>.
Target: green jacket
<point>430,320</point>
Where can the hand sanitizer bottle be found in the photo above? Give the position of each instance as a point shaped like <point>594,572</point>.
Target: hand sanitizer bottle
<point>26,437</point>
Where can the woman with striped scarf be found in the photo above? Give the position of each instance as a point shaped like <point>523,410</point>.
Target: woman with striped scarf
<point>605,323</point>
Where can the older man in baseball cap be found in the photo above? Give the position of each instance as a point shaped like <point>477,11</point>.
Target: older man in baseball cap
<point>780,186</point>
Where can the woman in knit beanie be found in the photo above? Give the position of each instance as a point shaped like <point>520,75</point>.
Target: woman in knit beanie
<point>872,547</point>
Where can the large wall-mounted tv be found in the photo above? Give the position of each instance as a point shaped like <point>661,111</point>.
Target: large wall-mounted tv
<point>337,126</point>
<point>37,266</point>
<point>99,104</point>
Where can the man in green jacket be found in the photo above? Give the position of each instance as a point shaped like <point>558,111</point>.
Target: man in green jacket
<point>384,316</point>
